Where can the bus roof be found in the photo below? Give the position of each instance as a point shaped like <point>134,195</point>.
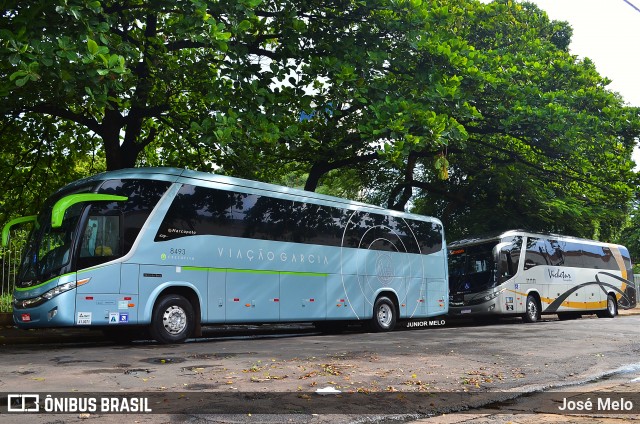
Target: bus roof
<point>510,233</point>
<point>204,178</point>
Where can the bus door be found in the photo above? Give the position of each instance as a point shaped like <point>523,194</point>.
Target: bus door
<point>507,260</point>
<point>99,299</point>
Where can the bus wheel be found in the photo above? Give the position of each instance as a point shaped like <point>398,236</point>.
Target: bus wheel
<point>612,308</point>
<point>173,319</point>
<point>533,310</point>
<point>384,315</point>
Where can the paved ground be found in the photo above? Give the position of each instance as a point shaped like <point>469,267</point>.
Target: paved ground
<point>51,345</point>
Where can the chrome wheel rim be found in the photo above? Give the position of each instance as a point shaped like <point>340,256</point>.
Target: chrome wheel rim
<point>532,309</point>
<point>385,316</point>
<point>612,306</point>
<point>174,320</point>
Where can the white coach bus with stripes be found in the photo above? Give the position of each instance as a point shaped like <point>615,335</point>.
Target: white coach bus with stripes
<point>518,273</point>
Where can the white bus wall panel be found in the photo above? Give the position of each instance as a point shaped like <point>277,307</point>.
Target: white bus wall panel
<point>129,279</point>
<point>303,297</point>
<point>345,299</point>
<point>252,297</point>
<point>155,279</point>
<point>104,279</point>
<point>217,297</point>
<point>415,302</point>
<point>437,293</point>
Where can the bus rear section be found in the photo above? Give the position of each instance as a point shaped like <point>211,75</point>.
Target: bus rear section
<point>525,274</point>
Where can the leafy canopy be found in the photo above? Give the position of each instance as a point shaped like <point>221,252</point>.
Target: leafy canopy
<point>475,113</point>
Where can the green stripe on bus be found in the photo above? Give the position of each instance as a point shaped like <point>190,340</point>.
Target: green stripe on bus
<point>196,268</point>
<point>255,271</point>
<point>42,284</point>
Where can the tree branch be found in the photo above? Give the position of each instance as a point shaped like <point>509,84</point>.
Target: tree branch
<point>59,112</point>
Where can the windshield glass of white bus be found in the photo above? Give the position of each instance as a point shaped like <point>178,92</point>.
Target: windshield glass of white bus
<point>472,268</point>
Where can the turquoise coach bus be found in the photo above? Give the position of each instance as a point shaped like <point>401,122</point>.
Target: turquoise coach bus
<point>173,250</point>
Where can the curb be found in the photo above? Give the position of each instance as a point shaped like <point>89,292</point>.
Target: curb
<point>11,335</point>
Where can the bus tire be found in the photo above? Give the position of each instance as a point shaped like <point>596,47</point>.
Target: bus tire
<point>384,315</point>
<point>532,313</point>
<point>612,308</point>
<point>173,319</point>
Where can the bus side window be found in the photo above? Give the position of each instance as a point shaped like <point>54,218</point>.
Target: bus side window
<point>505,266</point>
<point>536,253</point>
<point>572,254</point>
<point>626,258</point>
<point>101,237</point>
<point>608,261</point>
<point>509,258</point>
<point>101,240</point>
<point>90,237</point>
<point>554,253</point>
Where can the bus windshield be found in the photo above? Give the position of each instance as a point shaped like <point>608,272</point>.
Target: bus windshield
<point>472,269</point>
<point>48,249</point>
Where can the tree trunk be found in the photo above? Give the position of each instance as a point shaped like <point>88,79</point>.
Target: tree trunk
<point>316,172</point>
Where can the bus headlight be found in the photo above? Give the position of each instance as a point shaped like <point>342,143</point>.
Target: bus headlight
<point>485,298</point>
<point>58,290</point>
<point>490,296</point>
<point>48,295</point>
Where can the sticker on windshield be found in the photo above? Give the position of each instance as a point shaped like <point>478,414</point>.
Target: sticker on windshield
<point>84,318</point>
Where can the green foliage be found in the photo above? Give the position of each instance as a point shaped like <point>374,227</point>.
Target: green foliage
<point>38,156</point>
<point>475,113</point>
<point>10,260</point>
<point>630,237</point>
<point>550,146</point>
<point>5,302</point>
<point>132,73</point>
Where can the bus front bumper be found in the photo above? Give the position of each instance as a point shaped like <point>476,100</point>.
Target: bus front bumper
<point>56,312</point>
<point>486,308</point>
